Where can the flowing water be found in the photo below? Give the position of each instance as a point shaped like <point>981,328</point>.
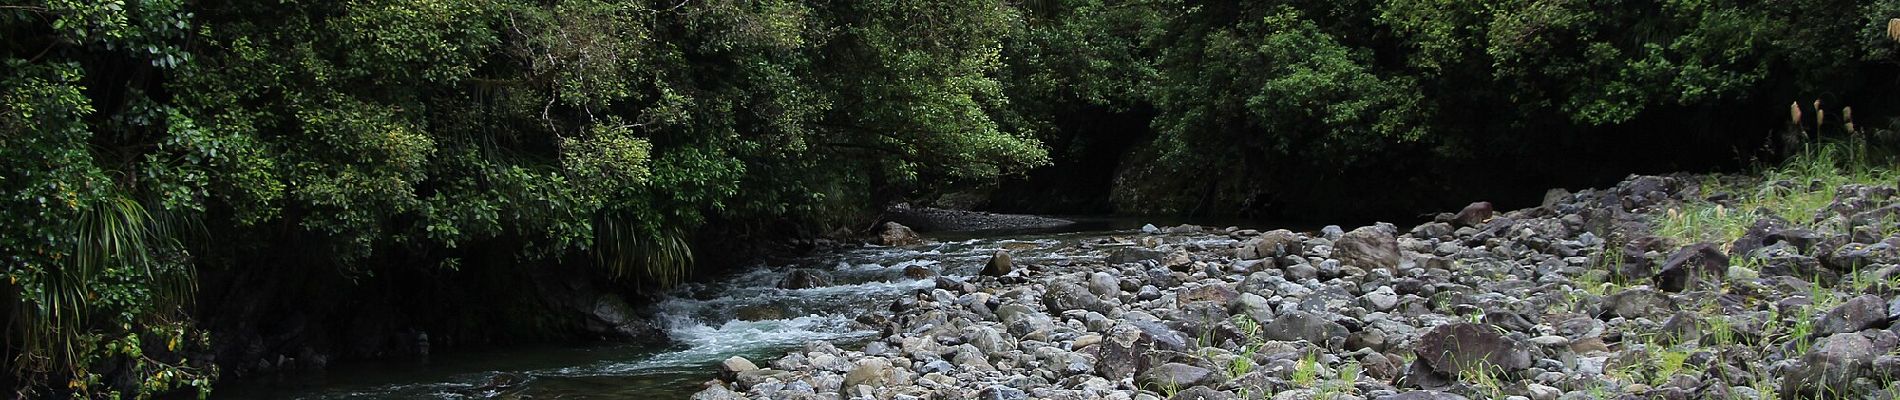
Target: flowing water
<point>745,314</point>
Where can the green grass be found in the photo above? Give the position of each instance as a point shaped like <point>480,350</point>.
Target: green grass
<point>1823,166</point>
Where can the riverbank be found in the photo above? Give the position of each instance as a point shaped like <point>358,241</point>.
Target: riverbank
<point>1660,287</point>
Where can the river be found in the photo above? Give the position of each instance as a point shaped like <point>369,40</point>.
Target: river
<point>744,314</point>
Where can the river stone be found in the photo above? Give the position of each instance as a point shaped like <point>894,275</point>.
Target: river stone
<point>988,340</point>
<point>1173,376</point>
<point>895,234</point>
<point>1690,265</point>
<point>1216,293</point>
<point>1861,312</point>
<point>1000,392</point>
<point>1064,296</point>
<point>999,264</point>
<point>918,272</point>
<point>1454,348</point>
<point>970,357</point>
<point>1204,393</point>
<point>1422,395</point>
<point>1301,325</point>
<point>732,367</point>
<point>1272,244</point>
<point>1381,299</point>
<point>875,372</point>
<point>1105,285</point>
<point>1474,214</point>
<point>803,278</point>
<point>1368,248</point>
<point>1122,352</point>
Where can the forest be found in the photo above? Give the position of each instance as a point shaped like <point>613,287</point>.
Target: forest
<point>183,173</point>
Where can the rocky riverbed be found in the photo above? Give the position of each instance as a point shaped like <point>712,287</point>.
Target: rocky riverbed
<point>1584,297</point>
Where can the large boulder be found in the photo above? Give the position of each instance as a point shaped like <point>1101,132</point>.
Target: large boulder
<point>1452,349</point>
<point>895,234</point>
<point>732,367</point>
<point>1368,248</point>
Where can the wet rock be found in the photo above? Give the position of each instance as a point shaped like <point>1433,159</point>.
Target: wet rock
<point>758,312</point>
<point>895,234</point>
<point>803,278</point>
<point>1690,265</point>
<point>1175,376</point>
<point>1063,296</point>
<point>1474,214</point>
<point>732,367</point>
<point>1862,312</point>
<point>1368,248</point>
<point>1451,349</point>
<point>1422,395</point>
<point>999,264</point>
<point>918,272</point>
<point>612,316</point>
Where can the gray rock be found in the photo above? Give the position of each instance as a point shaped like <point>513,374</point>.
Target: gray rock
<point>1105,285</point>
<point>1381,299</point>
<point>1861,312</point>
<point>1332,232</point>
<point>1422,395</point>
<point>1454,348</point>
<point>1274,243</point>
<point>1368,248</point>
<point>1830,368</point>
<point>1173,376</point>
<point>1640,302</point>
<point>1215,293</point>
<point>1301,325</point>
<point>1063,296</point>
<point>1000,392</point>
